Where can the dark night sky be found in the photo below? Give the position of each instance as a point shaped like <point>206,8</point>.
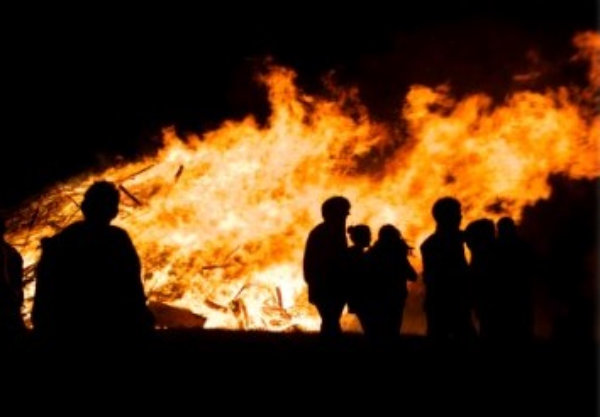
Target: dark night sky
<point>81,83</point>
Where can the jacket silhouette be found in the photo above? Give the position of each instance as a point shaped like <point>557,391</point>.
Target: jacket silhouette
<point>389,271</point>
<point>325,259</point>
<point>89,277</point>
<point>487,288</point>
<point>446,276</point>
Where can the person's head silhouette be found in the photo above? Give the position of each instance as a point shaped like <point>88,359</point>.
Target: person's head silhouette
<point>480,234</point>
<point>389,234</point>
<point>100,203</point>
<point>447,213</point>
<point>390,238</point>
<point>360,235</point>
<point>506,228</point>
<point>335,210</point>
<point>2,227</point>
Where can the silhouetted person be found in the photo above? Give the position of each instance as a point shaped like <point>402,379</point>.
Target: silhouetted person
<point>88,278</point>
<point>358,272</point>
<point>516,267</point>
<point>360,291</point>
<point>11,289</point>
<point>325,263</point>
<point>390,269</point>
<point>445,274</point>
<point>489,292</point>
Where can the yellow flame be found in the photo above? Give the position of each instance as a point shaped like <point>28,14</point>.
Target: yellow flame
<point>220,222</point>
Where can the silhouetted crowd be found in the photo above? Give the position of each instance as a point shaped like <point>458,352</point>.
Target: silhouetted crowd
<point>495,286</point>
<point>88,278</point>
<point>88,281</point>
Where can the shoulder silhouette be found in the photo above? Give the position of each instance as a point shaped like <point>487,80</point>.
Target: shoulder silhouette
<point>89,276</point>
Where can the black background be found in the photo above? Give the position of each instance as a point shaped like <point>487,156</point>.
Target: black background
<point>83,84</point>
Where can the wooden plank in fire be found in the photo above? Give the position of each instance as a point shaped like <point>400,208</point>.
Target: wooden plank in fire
<point>55,225</point>
<point>277,311</point>
<point>135,174</point>
<point>179,172</point>
<point>232,252</point>
<point>31,224</point>
<point>71,216</point>
<point>34,218</point>
<point>262,286</point>
<point>130,195</point>
<point>216,306</point>
<point>209,267</point>
<point>74,201</point>
<point>279,297</point>
<point>240,311</point>
<point>29,273</point>
<point>172,317</point>
<point>243,287</point>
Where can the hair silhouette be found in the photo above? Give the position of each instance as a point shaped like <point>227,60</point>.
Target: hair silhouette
<point>101,202</point>
<point>335,208</point>
<point>360,235</point>
<point>447,213</point>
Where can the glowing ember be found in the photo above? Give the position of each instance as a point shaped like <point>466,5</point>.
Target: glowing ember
<point>220,222</point>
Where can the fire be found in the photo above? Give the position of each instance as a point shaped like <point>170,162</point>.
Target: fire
<point>220,220</point>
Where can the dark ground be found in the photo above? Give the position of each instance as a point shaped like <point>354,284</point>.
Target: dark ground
<point>302,370</point>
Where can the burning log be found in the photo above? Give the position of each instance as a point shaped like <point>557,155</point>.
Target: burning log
<point>29,273</point>
<point>280,313</point>
<point>130,195</point>
<point>241,191</point>
<point>209,267</point>
<point>279,297</point>
<point>240,291</point>
<point>179,172</point>
<point>57,227</point>
<point>231,253</point>
<point>216,306</point>
<point>171,317</point>
<point>31,224</point>
<point>241,312</point>
<point>34,218</point>
<point>135,174</point>
<point>74,202</point>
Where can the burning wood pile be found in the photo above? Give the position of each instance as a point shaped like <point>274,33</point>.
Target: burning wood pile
<point>220,221</point>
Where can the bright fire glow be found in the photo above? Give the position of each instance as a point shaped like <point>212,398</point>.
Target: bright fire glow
<point>220,221</point>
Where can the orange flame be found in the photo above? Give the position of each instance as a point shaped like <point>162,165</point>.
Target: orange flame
<point>589,50</point>
<point>220,222</point>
